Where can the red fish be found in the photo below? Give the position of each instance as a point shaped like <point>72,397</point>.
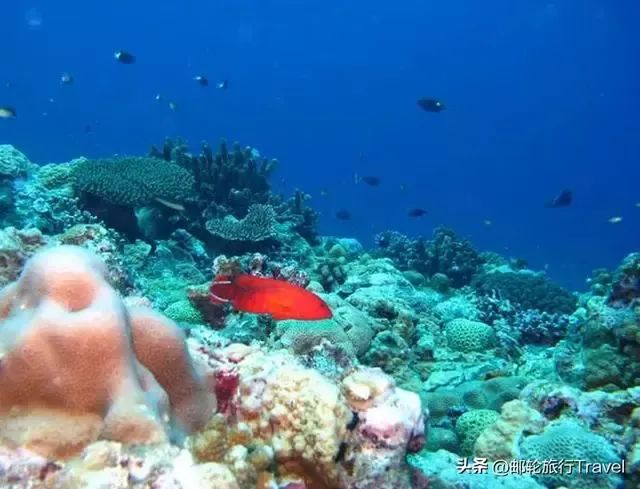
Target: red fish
<point>277,298</point>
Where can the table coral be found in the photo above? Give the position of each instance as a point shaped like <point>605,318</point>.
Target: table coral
<point>133,181</point>
<point>258,225</point>
<point>77,365</point>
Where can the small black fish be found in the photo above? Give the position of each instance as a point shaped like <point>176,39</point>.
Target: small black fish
<point>223,85</point>
<point>8,113</point>
<point>351,425</point>
<point>369,180</point>
<point>343,215</point>
<point>66,79</point>
<point>431,104</point>
<point>124,57</point>
<point>342,450</point>
<point>88,128</point>
<point>417,212</point>
<point>202,81</point>
<point>563,199</point>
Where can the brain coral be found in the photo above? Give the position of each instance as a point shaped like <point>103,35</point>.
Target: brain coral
<point>258,225</point>
<point>471,424</point>
<point>134,181</point>
<point>466,336</point>
<point>78,365</point>
<point>567,440</point>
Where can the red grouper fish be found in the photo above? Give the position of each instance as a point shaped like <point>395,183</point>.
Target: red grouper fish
<point>278,298</point>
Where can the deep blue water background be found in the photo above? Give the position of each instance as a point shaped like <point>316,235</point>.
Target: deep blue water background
<point>540,95</point>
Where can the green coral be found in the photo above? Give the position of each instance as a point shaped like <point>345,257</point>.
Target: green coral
<point>465,336</point>
<point>133,181</point>
<point>183,312</point>
<point>258,225</point>
<point>568,440</point>
<point>471,424</point>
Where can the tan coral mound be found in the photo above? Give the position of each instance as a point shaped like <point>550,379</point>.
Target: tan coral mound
<point>76,365</point>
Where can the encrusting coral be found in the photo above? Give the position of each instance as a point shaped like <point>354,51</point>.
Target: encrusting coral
<point>77,365</point>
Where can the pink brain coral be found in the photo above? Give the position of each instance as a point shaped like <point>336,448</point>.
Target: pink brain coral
<point>76,365</point>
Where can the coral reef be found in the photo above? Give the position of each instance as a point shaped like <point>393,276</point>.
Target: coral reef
<point>527,291</point>
<point>510,366</point>
<point>445,255</point>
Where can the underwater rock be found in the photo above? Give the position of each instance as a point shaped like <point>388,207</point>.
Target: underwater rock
<point>16,246</point>
<point>441,470</point>
<point>500,440</point>
<point>57,407</point>
<point>625,289</point>
<point>13,163</point>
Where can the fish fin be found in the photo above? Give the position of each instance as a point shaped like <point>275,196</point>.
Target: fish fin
<point>218,300</point>
<point>171,205</point>
<point>222,290</point>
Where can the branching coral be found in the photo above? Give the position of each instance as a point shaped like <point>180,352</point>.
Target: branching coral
<point>526,291</point>
<point>444,254</point>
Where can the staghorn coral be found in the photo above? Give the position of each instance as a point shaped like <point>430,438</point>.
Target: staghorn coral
<point>58,318</point>
<point>133,181</point>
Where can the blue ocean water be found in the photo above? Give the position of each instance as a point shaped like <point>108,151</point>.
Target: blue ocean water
<point>540,96</point>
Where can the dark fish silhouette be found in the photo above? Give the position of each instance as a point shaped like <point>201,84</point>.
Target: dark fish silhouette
<point>343,215</point>
<point>417,212</point>
<point>124,57</point>
<point>368,179</point>
<point>8,113</point>
<point>202,81</point>
<point>563,199</point>
<point>430,104</point>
